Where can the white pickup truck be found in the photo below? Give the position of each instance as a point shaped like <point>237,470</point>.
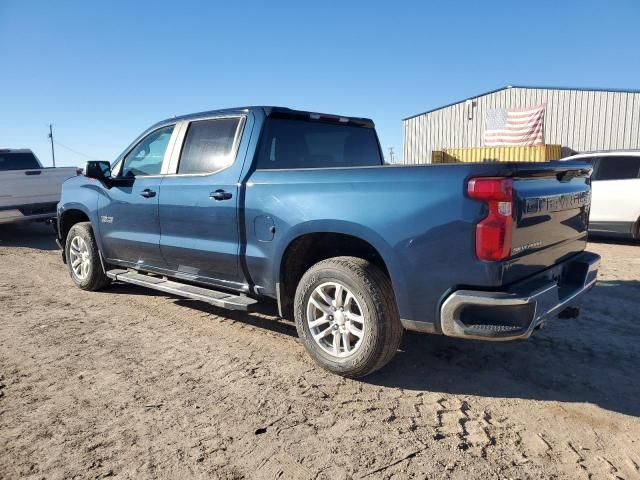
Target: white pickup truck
<point>27,190</point>
<point>615,206</point>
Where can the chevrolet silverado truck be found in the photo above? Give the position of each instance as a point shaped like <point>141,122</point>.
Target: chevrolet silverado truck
<point>27,190</point>
<point>236,206</point>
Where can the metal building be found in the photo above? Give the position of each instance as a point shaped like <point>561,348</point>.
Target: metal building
<point>578,119</point>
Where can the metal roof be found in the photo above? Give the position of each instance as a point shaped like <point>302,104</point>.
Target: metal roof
<point>581,89</point>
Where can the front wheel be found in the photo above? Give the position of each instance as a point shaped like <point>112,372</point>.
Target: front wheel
<point>83,259</point>
<point>346,316</point>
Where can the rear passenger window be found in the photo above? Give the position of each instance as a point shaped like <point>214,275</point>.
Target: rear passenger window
<point>618,168</point>
<point>208,146</point>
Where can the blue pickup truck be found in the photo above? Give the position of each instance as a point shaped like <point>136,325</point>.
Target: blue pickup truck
<point>234,206</point>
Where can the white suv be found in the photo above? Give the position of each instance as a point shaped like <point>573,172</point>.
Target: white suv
<point>615,203</point>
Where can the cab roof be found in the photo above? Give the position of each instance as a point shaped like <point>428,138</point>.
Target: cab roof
<point>278,112</point>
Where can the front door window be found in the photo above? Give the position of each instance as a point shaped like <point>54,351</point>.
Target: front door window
<point>146,158</point>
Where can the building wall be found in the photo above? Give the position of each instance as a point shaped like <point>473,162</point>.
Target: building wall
<point>579,120</point>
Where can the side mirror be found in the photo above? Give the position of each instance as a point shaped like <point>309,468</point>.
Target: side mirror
<point>98,169</point>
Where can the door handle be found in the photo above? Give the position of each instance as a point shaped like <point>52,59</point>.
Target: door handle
<point>220,195</point>
<point>147,193</point>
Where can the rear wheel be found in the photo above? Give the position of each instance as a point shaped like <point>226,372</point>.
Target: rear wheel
<point>83,259</point>
<point>346,316</point>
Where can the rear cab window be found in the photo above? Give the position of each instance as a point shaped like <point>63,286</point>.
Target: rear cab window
<point>299,143</point>
<point>18,161</point>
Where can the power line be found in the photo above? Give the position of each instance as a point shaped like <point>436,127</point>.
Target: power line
<point>73,150</point>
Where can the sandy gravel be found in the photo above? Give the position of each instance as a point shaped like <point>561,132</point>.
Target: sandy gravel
<point>134,384</point>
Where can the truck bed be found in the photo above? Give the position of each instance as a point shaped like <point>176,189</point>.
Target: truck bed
<point>423,222</point>
<point>31,194</point>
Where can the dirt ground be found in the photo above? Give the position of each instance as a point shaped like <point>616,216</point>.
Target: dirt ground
<point>135,384</point>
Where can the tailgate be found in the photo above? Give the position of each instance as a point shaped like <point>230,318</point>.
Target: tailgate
<point>551,215</point>
<point>28,187</point>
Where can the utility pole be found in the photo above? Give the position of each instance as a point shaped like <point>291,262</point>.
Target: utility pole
<point>53,153</point>
<point>391,155</point>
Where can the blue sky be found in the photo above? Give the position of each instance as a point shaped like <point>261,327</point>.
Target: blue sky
<point>102,72</point>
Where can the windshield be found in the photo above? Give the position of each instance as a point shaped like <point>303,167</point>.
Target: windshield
<point>18,161</point>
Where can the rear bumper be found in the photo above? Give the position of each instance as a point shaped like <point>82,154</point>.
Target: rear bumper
<point>516,312</point>
<point>12,216</point>
<point>614,229</point>
<point>23,213</point>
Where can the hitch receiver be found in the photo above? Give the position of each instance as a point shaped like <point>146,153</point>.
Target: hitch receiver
<point>569,313</point>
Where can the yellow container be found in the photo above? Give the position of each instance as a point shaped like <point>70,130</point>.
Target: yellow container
<point>534,153</point>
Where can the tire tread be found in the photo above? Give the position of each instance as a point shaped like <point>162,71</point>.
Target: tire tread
<point>378,286</point>
<point>97,279</point>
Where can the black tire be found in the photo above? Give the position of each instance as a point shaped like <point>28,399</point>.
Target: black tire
<point>95,277</point>
<point>373,292</point>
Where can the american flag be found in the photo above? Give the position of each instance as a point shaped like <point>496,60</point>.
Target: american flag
<point>514,126</point>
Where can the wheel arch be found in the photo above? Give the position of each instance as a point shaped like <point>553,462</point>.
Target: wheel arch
<point>68,217</point>
<point>312,242</point>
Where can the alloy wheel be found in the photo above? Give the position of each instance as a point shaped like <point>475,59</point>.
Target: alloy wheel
<point>335,319</point>
<point>79,257</point>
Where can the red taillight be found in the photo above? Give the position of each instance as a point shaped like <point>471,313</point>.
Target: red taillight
<point>493,233</point>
